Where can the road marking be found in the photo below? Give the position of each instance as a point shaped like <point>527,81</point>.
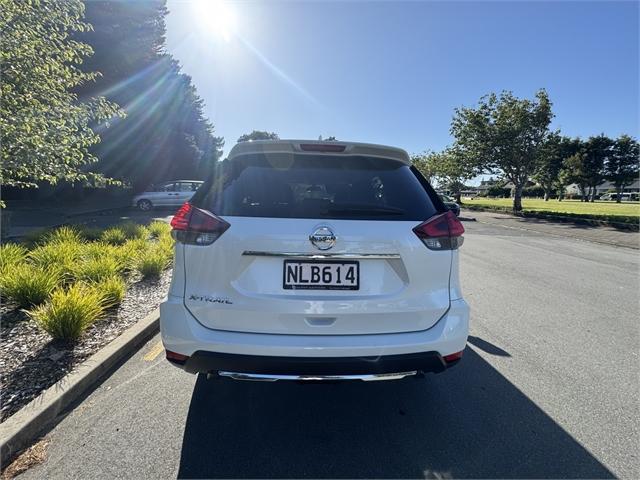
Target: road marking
<point>154,352</point>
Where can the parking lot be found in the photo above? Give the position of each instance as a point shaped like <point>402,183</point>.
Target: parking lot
<point>548,387</point>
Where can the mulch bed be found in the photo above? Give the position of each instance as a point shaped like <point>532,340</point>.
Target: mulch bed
<point>30,361</point>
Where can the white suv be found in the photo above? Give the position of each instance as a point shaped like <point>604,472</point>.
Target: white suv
<point>304,260</point>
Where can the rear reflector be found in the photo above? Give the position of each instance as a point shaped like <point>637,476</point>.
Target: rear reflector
<point>322,147</point>
<point>441,232</point>
<point>176,357</point>
<point>453,357</point>
<point>194,226</point>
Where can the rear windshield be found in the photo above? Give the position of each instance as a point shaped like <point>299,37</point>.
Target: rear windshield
<point>317,186</point>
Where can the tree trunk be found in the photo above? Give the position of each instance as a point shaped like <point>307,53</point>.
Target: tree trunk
<point>593,193</point>
<point>618,193</point>
<point>546,195</point>
<point>458,197</point>
<point>517,198</point>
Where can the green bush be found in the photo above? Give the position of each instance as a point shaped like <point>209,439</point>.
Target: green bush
<point>129,253</point>
<point>29,285</point>
<point>157,229</point>
<point>69,312</point>
<point>165,245</point>
<point>97,268</point>
<point>152,263</point>
<point>112,290</point>
<point>91,234</point>
<point>133,231</point>
<point>11,254</point>
<point>113,236</point>
<point>63,234</point>
<point>62,255</point>
<point>533,192</point>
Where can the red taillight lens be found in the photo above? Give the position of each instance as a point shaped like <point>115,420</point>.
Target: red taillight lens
<point>176,357</point>
<point>322,147</point>
<point>453,357</point>
<point>441,232</point>
<point>194,226</point>
<point>180,220</point>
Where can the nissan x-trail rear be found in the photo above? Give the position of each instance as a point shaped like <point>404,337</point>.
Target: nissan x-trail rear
<point>315,260</point>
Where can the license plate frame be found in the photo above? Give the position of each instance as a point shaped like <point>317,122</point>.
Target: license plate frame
<point>299,285</point>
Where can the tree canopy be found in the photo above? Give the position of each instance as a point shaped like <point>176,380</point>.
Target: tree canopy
<point>258,135</point>
<point>46,128</point>
<point>165,134</point>
<point>622,167</point>
<point>504,134</point>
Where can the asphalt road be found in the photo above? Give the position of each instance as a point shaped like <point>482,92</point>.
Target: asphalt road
<point>547,388</point>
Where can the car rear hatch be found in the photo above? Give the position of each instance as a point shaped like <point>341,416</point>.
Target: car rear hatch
<point>314,244</point>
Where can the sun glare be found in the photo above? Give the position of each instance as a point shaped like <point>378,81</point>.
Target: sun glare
<point>217,17</point>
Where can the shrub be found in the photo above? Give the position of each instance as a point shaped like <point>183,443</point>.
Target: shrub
<point>90,233</point>
<point>129,253</point>
<point>165,245</point>
<point>133,230</point>
<point>69,312</point>
<point>11,254</point>
<point>35,237</point>
<point>97,268</point>
<point>63,234</point>
<point>112,290</point>
<point>29,285</point>
<point>113,236</point>
<point>62,255</point>
<point>533,192</point>
<point>157,229</point>
<point>152,263</point>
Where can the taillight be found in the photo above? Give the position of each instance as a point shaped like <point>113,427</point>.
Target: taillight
<point>194,226</point>
<point>176,357</point>
<point>454,357</point>
<point>442,232</point>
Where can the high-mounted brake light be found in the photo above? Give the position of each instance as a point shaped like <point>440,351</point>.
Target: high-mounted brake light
<point>441,232</point>
<point>322,147</point>
<point>194,226</point>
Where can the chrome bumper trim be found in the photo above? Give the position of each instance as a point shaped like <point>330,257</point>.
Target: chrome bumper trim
<point>263,377</point>
<point>322,255</point>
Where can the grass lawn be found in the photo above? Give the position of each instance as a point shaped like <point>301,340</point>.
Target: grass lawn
<point>626,211</point>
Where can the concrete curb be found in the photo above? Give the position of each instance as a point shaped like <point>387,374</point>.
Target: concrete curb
<point>39,415</point>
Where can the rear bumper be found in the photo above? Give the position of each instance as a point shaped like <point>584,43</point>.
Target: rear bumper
<point>213,362</point>
<point>215,350</point>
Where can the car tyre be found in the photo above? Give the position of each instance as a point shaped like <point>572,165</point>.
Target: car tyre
<point>145,205</point>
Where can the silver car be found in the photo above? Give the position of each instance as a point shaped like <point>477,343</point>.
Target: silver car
<point>169,194</point>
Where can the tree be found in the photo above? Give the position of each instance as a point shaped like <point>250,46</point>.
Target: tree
<point>46,129</point>
<point>549,164</point>
<point>449,168</point>
<point>422,161</point>
<point>166,134</point>
<point>258,135</point>
<point>551,156</point>
<point>574,170</point>
<point>566,149</point>
<point>621,168</point>
<point>596,153</point>
<point>504,135</point>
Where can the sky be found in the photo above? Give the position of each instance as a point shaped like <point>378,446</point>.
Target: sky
<point>393,72</point>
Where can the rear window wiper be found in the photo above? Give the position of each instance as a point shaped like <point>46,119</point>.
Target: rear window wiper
<point>363,210</point>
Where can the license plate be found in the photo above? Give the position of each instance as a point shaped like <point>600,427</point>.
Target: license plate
<point>321,275</point>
